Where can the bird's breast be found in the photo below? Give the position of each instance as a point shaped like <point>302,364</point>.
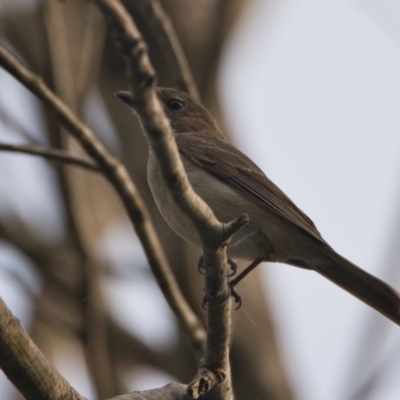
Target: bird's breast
<point>226,203</point>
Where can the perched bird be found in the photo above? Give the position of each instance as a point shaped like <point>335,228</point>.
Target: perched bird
<point>231,184</point>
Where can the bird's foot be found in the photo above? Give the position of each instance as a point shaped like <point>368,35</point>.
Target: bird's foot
<point>232,267</point>
<point>202,271</point>
<point>234,282</point>
<point>236,297</point>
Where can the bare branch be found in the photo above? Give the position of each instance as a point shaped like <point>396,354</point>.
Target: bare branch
<point>215,364</point>
<point>118,176</point>
<point>50,154</point>
<point>26,367</point>
<point>168,41</point>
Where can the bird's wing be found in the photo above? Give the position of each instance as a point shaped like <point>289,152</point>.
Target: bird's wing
<point>233,167</point>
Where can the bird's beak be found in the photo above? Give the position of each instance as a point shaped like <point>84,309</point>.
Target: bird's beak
<point>125,96</point>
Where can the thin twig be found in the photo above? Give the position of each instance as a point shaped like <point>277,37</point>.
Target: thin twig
<point>26,367</point>
<point>118,176</point>
<point>50,154</point>
<point>164,32</point>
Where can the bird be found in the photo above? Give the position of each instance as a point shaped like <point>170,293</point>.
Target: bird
<point>232,185</point>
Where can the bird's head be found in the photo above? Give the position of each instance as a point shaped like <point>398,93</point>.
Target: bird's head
<point>184,112</point>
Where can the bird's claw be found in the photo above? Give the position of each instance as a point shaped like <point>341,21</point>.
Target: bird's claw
<point>232,267</point>
<point>232,284</point>
<point>202,271</point>
<point>236,297</point>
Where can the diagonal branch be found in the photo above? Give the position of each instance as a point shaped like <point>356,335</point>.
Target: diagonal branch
<point>118,176</point>
<point>213,379</point>
<point>50,154</point>
<point>26,367</point>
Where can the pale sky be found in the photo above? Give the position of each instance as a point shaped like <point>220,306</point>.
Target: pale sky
<point>311,92</point>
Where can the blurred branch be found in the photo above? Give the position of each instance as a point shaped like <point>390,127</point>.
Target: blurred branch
<point>96,332</point>
<point>50,154</point>
<point>26,366</point>
<point>75,45</point>
<point>214,370</point>
<point>92,50</point>
<point>125,348</point>
<point>131,351</point>
<point>118,176</point>
<point>164,32</point>
<point>59,51</point>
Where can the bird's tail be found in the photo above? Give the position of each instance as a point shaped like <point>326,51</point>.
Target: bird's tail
<point>359,283</point>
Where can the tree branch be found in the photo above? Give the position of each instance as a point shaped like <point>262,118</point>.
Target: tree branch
<point>118,176</point>
<point>50,154</point>
<point>164,32</point>
<point>26,367</point>
<point>214,370</point>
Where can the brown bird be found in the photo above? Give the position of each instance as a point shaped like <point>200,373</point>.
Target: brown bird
<point>232,185</point>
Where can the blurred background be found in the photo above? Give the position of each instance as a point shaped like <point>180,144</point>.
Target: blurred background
<point>310,90</point>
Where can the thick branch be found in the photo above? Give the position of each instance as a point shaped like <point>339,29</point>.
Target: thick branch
<point>164,32</point>
<point>50,154</point>
<point>26,367</point>
<point>118,176</point>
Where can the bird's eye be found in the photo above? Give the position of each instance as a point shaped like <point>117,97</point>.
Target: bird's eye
<point>174,104</point>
